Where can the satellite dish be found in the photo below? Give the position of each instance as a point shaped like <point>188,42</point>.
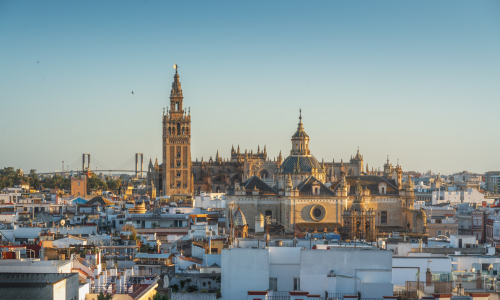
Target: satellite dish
<point>62,222</point>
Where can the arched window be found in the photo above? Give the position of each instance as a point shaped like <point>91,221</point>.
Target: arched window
<point>217,189</point>
<point>269,213</point>
<point>178,173</point>
<point>178,128</point>
<point>383,217</point>
<point>176,105</point>
<point>264,174</point>
<point>169,130</point>
<point>183,130</point>
<point>199,190</point>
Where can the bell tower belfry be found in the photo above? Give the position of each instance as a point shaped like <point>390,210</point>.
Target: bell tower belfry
<point>176,144</point>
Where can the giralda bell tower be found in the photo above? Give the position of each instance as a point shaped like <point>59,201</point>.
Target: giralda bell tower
<point>177,178</point>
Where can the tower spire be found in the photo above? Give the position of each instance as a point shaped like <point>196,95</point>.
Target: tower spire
<point>176,85</point>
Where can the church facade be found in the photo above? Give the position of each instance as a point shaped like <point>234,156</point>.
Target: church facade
<point>302,197</point>
<point>298,192</point>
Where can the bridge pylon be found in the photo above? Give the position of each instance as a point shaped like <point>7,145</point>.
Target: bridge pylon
<point>83,162</point>
<point>137,170</point>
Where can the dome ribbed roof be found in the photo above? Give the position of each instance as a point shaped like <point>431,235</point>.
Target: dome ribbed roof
<point>239,218</point>
<point>306,163</point>
<point>300,133</point>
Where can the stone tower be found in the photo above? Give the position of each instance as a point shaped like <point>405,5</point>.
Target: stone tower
<point>177,177</point>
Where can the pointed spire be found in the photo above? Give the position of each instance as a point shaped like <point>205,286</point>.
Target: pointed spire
<point>258,149</point>
<point>176,85</point>
<point>265,151</point>
<point>232,148</point>
<point>238,148</point>
<point>217,155</point>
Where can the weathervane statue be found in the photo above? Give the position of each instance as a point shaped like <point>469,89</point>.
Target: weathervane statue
<point>176,67</point>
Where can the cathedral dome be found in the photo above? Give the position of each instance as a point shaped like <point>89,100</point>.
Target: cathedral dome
<point>239,218</point>
<point>300,163</point>
<point>300,159</point>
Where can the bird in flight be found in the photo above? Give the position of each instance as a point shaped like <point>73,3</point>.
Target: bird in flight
<point>132,92</point>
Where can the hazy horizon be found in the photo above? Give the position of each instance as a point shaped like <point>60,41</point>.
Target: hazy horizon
<point>418,81</point>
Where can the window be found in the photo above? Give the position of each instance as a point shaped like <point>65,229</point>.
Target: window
<point>296,284</point>
<point>439,232</point>
<point>178,163</point>
<point>317,212</point>
<point>383,217</point>
<point>447,233</point>
<point>78,184</point>
<point>273,283</point>
<point>78,193</point>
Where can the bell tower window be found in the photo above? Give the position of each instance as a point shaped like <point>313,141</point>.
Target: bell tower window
<point>178,128</point>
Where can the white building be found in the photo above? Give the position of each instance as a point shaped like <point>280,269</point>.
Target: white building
<point>460,241</point>
<point>473,263</point>
<point>35,266</point>
<point>210,200</point>
<point>455,197</point>
<point>285,269</point>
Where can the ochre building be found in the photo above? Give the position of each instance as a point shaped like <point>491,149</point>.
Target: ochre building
<point>298,192</point>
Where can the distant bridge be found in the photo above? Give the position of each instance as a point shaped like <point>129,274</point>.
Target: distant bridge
<point>85,163</point>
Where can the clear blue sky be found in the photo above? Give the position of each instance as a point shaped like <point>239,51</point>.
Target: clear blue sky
<point>415,80</point>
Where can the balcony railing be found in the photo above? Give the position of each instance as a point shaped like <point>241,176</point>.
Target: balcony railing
<point>151,262</point>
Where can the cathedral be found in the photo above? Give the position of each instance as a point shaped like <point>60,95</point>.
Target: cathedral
<point>297,193</point>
